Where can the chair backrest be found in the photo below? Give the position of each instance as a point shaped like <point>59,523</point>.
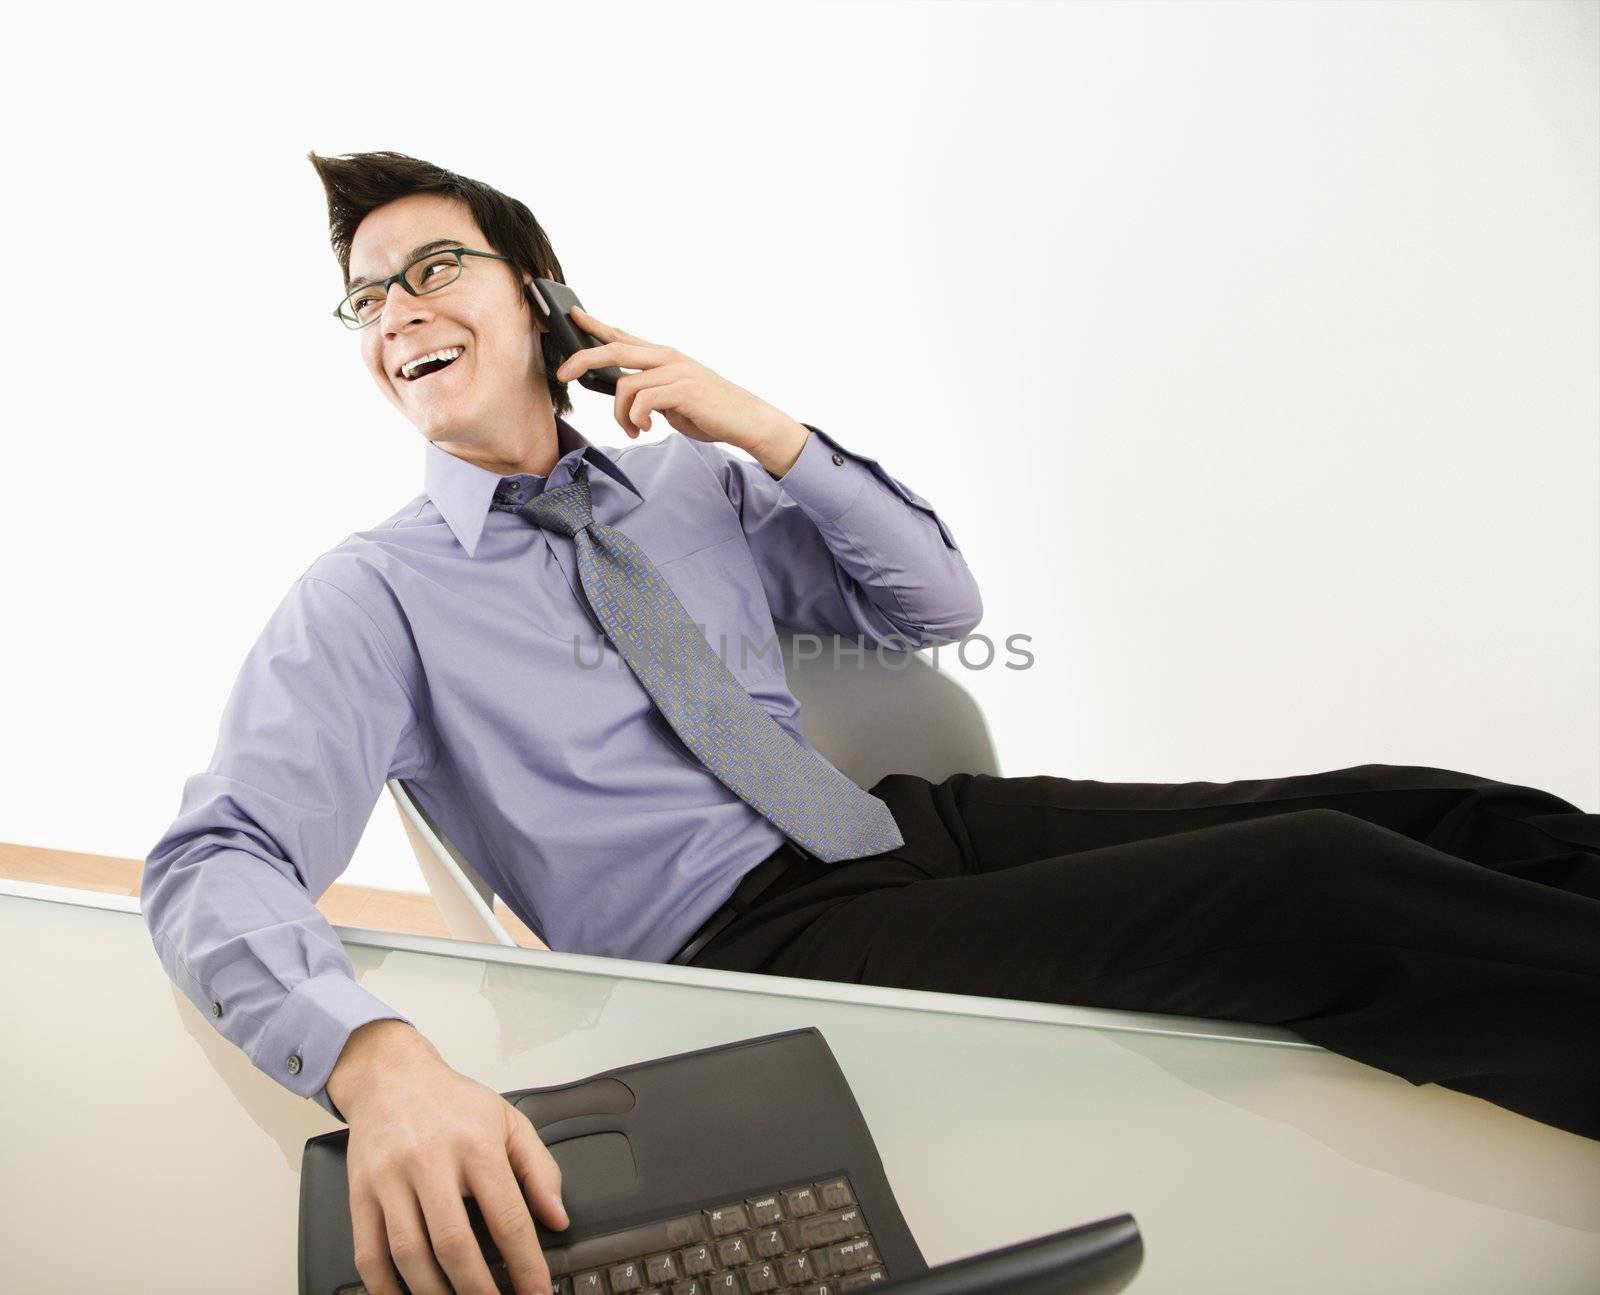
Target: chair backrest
<point>871,714</point>
<point>875,713</point>
<point>465,900</point>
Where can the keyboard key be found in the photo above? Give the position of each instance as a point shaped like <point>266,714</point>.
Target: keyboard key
<point>694,1286</point>
<point>660,1268</point>
<point>765,1209</point>
<point>797,1269</point>
<point>823,1229</point>
<point>800,1202</point>
<point>850,1256</point>
<point>725,1284</point>
<point>626,1278</point>
<point>835,1194</point>
<point>762,1277</point>
<point>681,1231</point>
<point>734,1251</point>
<point>860,1281</point>
<point>728,1219</point>
<point>587,1284</point>
<point>769,1243</point>
<point>697,1260</point>
<point>818,1288</point>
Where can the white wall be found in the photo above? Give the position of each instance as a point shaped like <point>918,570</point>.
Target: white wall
<point>1249,350</point>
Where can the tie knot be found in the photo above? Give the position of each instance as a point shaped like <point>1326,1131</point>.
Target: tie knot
<point>565,510</point>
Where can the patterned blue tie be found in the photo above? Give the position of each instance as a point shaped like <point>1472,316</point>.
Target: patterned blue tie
<point>813,804</point>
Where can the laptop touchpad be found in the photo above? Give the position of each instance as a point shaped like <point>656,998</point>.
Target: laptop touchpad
<point>596,1165</point>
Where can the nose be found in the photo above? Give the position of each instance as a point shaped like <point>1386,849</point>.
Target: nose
<point>399,308</point>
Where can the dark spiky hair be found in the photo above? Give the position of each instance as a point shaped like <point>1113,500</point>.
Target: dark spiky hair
<point>359,183</point>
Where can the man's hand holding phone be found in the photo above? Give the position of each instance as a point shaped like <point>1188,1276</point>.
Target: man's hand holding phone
<point>694,400</point>
<point>422,1137</point>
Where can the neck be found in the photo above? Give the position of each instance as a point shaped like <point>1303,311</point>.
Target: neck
<point>532,447</point>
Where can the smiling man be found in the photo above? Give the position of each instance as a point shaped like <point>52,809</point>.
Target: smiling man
<point>666,805</point>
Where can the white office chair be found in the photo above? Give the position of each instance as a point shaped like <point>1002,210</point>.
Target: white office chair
<point>871,714</point>
<point>465,899</point>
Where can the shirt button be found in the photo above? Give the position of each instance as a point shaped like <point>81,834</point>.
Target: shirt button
<point>216,1009</point>
<point>294,1064</point>
<point>838,458</point>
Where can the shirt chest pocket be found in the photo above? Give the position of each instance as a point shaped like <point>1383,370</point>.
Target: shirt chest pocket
<point>721,590</point>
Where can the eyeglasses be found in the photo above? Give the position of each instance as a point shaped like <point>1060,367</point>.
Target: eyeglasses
<point>362,306</point>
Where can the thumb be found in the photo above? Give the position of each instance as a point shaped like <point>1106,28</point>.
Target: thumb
<point>535,1169</point>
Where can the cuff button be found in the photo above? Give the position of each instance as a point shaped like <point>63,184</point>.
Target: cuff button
<point>216,1009</point>
<point>294,1065</point>
<point>837,457</point>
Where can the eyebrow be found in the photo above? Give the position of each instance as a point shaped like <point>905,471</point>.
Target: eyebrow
<point>419,250</point>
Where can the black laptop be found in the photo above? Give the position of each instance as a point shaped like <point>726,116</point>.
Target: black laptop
<point>733,1170</point>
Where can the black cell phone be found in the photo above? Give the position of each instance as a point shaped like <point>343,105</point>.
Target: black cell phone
<point>554,302</point>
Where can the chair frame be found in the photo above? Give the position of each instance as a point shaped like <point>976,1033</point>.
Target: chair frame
<point>465,900</point>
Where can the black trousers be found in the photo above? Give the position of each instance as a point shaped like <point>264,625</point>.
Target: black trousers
<point>1440,926</point>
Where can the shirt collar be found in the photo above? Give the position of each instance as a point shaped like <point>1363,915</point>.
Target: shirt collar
<point>462,491</point>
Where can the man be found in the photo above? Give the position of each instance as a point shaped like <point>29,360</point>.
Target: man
<point>1443,926</point>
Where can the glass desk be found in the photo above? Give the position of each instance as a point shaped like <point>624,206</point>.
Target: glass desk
<point>144,1153</point>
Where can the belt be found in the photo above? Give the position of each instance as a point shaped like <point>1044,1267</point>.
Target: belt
<point>755,884</point>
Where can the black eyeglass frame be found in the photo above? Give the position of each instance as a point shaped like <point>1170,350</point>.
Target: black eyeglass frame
<point>399,276</point>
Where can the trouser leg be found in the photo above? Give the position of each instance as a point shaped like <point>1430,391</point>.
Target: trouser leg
<point>1438,925</point>
<point>1512,828</point>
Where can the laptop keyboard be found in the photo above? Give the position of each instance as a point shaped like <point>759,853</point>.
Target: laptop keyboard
<point>806,1238</point>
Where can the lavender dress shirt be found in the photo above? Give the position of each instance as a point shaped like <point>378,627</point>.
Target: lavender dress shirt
<point>451,646</point>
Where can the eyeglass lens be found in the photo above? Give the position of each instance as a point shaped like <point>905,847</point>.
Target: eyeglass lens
<point>427,275</point>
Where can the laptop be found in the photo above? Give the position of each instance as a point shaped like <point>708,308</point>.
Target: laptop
<point>733,1170</point>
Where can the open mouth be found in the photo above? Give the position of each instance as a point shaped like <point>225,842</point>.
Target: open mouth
<point>440,360</point>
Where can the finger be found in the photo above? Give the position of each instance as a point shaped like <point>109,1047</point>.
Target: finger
<point>536,1169</point>
<point>629,388</point>
<point>450,1230</point>
<point>373,1264</point>
<point>501,1203</point>
<point>604,331</point>
<point>409,1244</point>
<point>625,354</point>
<point>627,385</point>
<point>662,396</point>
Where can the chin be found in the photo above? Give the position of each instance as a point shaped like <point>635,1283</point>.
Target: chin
<point>438,425</point>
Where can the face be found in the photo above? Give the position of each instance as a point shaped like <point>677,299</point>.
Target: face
<point>492,399</point>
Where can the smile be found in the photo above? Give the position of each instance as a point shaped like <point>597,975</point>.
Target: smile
<point>432,362</point>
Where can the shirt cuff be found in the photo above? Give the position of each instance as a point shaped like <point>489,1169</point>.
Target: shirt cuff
<point>826,478</point>
<point>826,489</point>
<point>302,1045</point>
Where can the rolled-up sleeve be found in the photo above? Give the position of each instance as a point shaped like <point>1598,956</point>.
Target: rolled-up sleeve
<point>321,713</point>
<point>843,547</point>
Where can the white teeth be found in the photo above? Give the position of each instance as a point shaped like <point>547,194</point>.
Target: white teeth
<point>450,352</point>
